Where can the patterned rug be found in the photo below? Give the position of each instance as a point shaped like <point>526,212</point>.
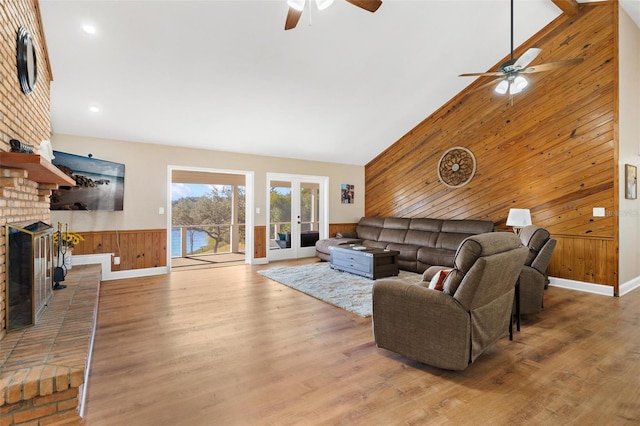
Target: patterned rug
<point>342,289</point>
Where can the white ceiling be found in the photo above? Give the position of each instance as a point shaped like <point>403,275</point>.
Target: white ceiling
<point>224,75</point>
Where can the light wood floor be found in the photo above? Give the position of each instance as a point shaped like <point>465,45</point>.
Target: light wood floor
<point>227,346</point>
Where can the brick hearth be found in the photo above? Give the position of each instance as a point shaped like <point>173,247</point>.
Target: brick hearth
<point>44,367</point>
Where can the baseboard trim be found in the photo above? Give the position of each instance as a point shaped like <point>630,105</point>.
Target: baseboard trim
<point>605,290</point>
<point>628,286</point>
<point>104,259</point>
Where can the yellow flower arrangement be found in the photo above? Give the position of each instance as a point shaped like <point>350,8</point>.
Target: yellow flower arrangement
<point>67,239</point>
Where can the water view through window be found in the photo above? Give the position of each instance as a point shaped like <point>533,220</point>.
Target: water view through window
<point>207,219</point>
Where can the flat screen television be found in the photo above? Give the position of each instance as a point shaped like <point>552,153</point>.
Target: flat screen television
<point>99,184</point>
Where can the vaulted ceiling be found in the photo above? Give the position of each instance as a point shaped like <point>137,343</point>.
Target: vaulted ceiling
<point>224,75</point>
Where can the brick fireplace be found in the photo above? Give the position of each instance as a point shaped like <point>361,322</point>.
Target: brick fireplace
<point>30,388</point>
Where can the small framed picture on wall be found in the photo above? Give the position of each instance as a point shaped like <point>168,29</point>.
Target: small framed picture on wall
<point>347,193</point>
<point>631,182</point>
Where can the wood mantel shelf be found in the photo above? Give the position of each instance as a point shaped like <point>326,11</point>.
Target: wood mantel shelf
<point>40,170</point>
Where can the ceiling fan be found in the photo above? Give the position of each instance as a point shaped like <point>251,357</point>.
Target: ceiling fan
<point>509,73</point>
<point>297,6</point>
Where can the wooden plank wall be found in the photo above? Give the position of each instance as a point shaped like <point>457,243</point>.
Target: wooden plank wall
<point>553,150</point>
<point>143,248</point>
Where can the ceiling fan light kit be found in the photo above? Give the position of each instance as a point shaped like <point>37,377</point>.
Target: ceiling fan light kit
<point>509,72</point>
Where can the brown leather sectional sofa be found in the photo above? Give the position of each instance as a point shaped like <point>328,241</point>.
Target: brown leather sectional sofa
<point>421,242</point>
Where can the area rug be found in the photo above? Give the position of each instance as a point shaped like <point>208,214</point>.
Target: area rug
<point>342,289</point>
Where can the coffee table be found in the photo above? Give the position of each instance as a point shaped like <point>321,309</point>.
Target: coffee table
<point>368,262</point>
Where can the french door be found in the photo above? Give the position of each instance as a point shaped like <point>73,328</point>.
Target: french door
<point>297,215</point>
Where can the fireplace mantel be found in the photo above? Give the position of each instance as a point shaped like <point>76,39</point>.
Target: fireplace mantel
<point>40,170</point>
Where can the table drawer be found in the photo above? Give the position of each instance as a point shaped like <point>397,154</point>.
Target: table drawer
<point>353,263</point>
<point>350,257</point>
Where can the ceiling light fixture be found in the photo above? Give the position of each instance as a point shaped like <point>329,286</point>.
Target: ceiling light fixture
<point>89,29</point>
<point>299,4</point>
<point>296,4</point>
<point>323,4</point>
<point>94,108</point>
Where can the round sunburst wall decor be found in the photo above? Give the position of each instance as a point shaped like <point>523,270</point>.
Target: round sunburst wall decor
<point>456,167</point>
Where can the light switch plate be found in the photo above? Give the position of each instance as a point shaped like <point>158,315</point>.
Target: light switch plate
<point>598,211</point>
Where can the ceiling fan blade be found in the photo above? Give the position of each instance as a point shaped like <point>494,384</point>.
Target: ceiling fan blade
<point>293,16</point>
<point>550,66</point>
<point>370,5</point>
<point>527,57</point>
<point>483,74</point>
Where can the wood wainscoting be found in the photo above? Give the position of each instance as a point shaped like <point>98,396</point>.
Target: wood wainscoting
<point>334,228</point>
<point>259,241</point>
<point>137,249</point>
<point>591,260</point>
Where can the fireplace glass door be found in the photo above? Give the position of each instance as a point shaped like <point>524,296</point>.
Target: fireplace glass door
<point>29,272</point>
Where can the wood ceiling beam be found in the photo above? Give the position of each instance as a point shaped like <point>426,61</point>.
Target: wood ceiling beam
<point>569,7</point>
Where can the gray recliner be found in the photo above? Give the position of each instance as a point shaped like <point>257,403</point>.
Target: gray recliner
<point>451,328</point>
<point>533,278</point>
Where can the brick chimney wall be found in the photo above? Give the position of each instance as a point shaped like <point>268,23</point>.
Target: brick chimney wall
<point>23,117</point>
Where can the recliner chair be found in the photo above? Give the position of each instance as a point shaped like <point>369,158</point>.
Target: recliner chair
<point>533,278</point>
<point>451,328</point>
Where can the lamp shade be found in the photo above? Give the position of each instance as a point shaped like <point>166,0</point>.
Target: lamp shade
<point>519,218</point>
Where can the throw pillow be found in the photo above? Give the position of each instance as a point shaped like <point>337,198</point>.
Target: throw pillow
<point>437,282</point>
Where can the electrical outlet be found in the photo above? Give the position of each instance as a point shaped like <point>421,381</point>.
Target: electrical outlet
<point>116,260</point>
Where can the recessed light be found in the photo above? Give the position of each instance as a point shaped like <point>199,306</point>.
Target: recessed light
<point>89,29</point>
<point>94,108</point>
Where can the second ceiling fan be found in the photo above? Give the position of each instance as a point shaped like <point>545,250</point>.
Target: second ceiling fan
<point>509,73</point>
<point>297,6</point>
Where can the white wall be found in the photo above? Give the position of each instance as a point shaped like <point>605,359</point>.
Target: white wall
<point>629,147</point>
<point>146,181</point>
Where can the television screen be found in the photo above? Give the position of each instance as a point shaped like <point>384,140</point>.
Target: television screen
<point>99,184</point>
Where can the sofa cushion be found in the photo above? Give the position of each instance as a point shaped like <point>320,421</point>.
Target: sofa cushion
<point>396,223</point>
<point>369,228</point>
<point>407,252</point>
<point>424,224</point>
<point>468,226</point>
<point>421,238</point>
<point>428,256</point>
<point>392,235</point>
<point>450,240</point>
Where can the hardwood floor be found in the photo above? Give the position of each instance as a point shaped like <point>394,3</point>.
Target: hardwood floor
<point>226,346</point>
